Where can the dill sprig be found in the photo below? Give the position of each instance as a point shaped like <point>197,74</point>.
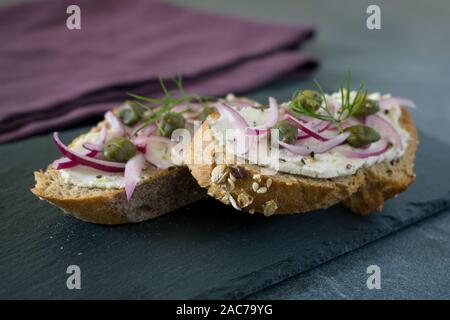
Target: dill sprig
<point>158,107</point>
<point>348,107</point>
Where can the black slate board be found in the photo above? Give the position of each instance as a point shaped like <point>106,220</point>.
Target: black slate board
<point>202,251</point>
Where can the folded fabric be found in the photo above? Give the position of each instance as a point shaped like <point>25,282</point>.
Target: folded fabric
<point>52,76</point>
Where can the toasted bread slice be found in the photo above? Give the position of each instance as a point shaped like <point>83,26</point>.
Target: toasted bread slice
<point>362,192</point>
<point>162,191</point>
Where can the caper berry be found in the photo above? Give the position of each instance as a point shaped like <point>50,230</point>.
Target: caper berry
<point>171,121</point>
<point>369,107</point>
<point>119,150</point>
<point>361,135</point>
<point>287,132</point>
<point>309,99</point>
<point>131,112</point>
<point>207,110</point>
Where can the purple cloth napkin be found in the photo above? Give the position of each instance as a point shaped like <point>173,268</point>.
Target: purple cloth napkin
<point>52,77</point>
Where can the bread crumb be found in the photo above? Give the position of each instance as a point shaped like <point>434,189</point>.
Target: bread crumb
<point>231,182</point>
<point>233,202</point>
<point>244,200</point>
<point>261,190</point>
<point>219,174</point>
<point>269,208</point>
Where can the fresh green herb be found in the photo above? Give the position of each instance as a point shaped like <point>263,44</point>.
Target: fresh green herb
<point>322,112</point>
<point>157,107</point>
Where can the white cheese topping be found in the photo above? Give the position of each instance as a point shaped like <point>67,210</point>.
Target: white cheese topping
<point>83,176</point>
<point>327,165</point>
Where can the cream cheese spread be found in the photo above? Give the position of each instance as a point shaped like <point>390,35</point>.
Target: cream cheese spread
<point>326,165</point>
<point>83,176</point>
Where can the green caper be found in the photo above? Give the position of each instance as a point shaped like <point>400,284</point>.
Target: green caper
<point>119,150</point>
<point>171,121</point>
<point>309,99</point>
<point>368,107</point>
<point>207,110</point>
<point>361,135</point>
<point>131,112</point>
<point>287,132</point>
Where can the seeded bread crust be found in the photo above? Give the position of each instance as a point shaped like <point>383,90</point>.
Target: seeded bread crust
<point>244,188</point>
<point>163,191</point>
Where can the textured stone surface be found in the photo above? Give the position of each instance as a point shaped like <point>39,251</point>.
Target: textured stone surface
<point>206,250</point>
<point>414,264</point>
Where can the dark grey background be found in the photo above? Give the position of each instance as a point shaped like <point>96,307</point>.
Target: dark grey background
<point>409,57</point>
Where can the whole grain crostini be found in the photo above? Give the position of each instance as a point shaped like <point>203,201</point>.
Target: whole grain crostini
<point>310,153</point>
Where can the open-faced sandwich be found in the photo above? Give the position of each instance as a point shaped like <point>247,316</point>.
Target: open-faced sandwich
<point>310,153</point>
<point>124,169</point>
<point>127,169</point>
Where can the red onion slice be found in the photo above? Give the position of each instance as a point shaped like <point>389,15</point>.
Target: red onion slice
<point>142,149</point>
<point>385,129</point>
<point>231,114</point>
<point>319,125</point>
<point>303,136</point>
<point>322,127</point>
<point>82,159</point>
<point>319,148</point>
<point>255,132</point>
<point>271,121</point>
<point>139,140</point>
<point>241,103</point>
<point>159,139</point>
<point>239,123</point>
<point>385,103</point>
<point>102,136</point>
<point>146,131</point>
<point>184,106</point>
<point>93,146</point>
<point>331,105</point>
<point>66,163</point>
<point>375,149</point>
<point>153,157</point>
<point>325,125</point>
<point>305,128</point>
<point>133,170</point>
<point>117,126</point>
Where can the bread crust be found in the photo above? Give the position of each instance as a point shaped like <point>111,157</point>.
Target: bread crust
<point>163,191</point>
<point>362,192</point>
